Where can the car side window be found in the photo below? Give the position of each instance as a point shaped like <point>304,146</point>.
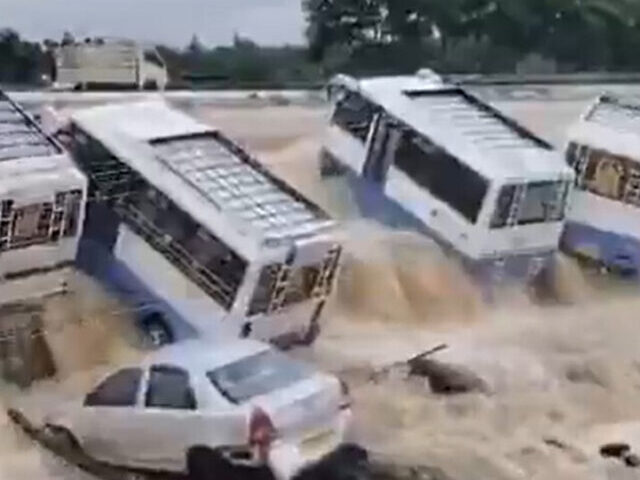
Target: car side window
<point>118,390</point>
<point>170,388</point>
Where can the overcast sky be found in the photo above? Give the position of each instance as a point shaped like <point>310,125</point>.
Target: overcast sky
<point>271,22</point>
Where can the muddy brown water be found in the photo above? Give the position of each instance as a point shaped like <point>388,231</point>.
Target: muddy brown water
<point>562,379</point>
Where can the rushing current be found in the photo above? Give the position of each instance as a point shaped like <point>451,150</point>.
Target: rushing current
<point>562,379</point>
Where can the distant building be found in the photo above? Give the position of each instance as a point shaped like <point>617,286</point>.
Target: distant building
<point>109,63</point>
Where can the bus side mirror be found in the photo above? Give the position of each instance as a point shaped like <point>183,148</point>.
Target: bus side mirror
<point>335,93</point>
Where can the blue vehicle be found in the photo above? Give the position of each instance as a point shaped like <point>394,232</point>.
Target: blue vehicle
<point>603,222</point>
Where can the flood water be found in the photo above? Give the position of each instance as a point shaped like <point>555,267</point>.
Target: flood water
<point>562,379</point>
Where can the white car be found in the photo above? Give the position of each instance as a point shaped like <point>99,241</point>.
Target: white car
<point>200,408</point>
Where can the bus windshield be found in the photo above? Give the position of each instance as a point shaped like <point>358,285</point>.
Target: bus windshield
<point>536,202</point>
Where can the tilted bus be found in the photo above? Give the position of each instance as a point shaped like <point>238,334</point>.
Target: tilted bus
<point>42,204</point>
<point>194,233</point>
<point>424,155</point>
<point>603,148</point>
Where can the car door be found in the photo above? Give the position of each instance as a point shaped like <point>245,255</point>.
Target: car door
<point>170,418</point>
<point>104,426</point>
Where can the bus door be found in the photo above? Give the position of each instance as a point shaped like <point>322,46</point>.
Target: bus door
<point>384,143</point>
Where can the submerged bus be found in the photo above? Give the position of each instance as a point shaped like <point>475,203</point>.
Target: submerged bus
<point>42,203</point>
<point>194,233</point>
<point>603,222</point>
<point>424,155</point>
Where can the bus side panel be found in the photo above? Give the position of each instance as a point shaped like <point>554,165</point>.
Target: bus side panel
<point>164,281</point>
<point>373,203</point>
<point>345,148</point>
<point>96,258</point>
<point>431,213</point>
<point>603,230</point>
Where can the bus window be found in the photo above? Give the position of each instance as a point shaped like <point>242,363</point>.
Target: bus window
<point>31,224</point>
<point>503,207</point>
<point>354,114</point>
<point>604,175</point>
<point>442,175</point>
<point>264,290</point>
<point>299,287</point>
<point>207,261</point>
<point>73,201</point>
<point>572,154</point>
<point>301,284</point>
<point>540,202</point>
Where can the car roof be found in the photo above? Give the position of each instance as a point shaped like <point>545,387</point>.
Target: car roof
<point>201,355</point>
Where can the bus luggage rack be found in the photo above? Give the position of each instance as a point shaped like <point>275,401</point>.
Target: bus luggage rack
<point>19,137</point>
<point>614,113</point>
<point>226,176</point>
<point>475,121</point>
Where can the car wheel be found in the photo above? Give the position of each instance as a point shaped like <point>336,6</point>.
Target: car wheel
<point>205,464</point>
<point>60,439</point>
<point>156,331</point>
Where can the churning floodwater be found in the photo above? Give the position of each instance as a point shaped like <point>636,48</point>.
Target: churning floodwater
<point>562,379</point>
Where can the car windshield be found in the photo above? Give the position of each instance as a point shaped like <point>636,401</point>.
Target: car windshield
<point>257,375</point>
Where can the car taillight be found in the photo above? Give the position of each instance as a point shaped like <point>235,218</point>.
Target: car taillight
<point>261,433</point>
<point>345,402</point>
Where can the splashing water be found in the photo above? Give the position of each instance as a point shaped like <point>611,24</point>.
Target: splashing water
<point>555,373</point>
<point>563,380</point>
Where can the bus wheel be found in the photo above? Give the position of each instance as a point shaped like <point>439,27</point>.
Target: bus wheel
<point>311,335</point>
<point>329,166</point>
<point>156,331</point>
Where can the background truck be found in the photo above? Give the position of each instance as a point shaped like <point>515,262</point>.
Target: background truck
<point>109,63</point>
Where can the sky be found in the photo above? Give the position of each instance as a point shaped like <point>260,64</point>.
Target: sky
<point>173,22</point>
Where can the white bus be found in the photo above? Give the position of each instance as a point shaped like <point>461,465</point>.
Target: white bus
<point>197,235</point>
<point>603,222</point>
<point>424,155</point>
<point>42,199</point>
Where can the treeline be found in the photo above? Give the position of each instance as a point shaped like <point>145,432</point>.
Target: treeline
<point>465,36</point>
<point>383,36</point>
<point>244,63</point>
<point>21,62</point>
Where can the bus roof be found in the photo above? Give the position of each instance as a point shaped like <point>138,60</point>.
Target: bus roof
<point>462,124</point>
<point>27,153</point>
<point>610,123</point>
<point>20,137</point>
<point>204,172</point>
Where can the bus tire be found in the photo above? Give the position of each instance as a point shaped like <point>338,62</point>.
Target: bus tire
<point>150,85</point>
<point>156,331</point>
<point>311,335</point>
<point>329,166</point>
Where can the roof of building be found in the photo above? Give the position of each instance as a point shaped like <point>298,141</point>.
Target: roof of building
<point>468,128</point>
<point>203,171</point>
